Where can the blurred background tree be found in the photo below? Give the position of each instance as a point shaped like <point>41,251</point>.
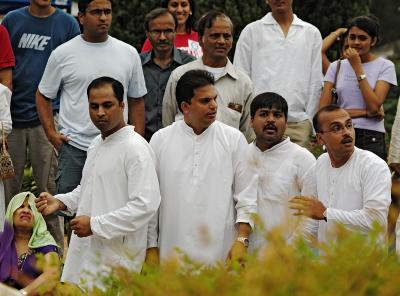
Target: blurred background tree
<point>327,15</point>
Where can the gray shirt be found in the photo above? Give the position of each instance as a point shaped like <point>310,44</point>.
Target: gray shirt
<point>156,80</point>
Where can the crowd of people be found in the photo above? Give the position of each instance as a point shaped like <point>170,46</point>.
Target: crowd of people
<point>176,150</point>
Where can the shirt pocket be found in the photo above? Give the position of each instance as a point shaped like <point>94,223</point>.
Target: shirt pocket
<point>229,116</point>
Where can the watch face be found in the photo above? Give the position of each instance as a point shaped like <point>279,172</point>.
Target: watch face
<point>243,240</point>
<point>361,77</point>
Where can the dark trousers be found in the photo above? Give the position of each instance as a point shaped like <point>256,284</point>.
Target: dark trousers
<point>372,141</point>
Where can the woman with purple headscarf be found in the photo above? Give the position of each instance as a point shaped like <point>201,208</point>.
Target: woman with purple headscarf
<point>25,236</point>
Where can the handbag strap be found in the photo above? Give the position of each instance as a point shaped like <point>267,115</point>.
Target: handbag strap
<point>3,140</point>
<point>334,90</point>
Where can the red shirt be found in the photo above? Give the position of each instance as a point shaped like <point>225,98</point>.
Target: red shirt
<point>7,58</point>
<point>186,42</point>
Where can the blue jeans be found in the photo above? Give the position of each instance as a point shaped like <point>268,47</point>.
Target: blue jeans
<point>372,141</point>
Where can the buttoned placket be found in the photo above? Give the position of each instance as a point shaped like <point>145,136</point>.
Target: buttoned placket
<point>334,175</point>
<point>196,159</point>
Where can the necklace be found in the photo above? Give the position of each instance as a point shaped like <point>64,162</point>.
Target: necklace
<point>22,259</point>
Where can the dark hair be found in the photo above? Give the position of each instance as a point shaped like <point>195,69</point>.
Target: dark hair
<point>83,4</point>
<point>207,20</point>
<point>191,21</point>
<point>117,86</point>
<point>190,81</point>
<point>327,108</point>
<point>367,23</point>
<point>342,41</point>
<point>268,100</point>
<point>155,13</point>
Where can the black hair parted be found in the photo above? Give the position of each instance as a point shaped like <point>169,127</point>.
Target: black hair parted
<point>269,100</point>
<point>189,82</point>
<point>208,19</point>
<point>155,13</point>
<point>191,21</point>
<point>83,4</point>
<point>367,23</point>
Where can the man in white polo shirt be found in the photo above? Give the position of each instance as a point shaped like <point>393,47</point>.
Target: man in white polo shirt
<point>70,69</point>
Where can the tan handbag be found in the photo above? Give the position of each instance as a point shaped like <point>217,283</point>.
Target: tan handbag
<point>6,165</point>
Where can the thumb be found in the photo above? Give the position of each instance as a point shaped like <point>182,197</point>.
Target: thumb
<point>64,138</point>
<point>44,195</point>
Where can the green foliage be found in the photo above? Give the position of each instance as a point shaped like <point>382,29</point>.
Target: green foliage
<point>128,19</point>
<point>28,182</point>
<point>390,103</point>
<point>330,15</point>
<point>356,265</point>
<point>388,13</point>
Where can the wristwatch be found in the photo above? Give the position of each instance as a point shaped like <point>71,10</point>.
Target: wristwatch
<point>243,240</point>
<point>325,214</point>
<point>361,77</point>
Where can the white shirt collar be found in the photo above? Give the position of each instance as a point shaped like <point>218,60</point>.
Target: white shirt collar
<point>189,130</point>
<point>268,19</point>
<point>229,69</point>
<point>275,147</point>
<point>119,133</point>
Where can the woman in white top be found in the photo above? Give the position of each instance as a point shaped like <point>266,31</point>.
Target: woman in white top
<point>362,84</point>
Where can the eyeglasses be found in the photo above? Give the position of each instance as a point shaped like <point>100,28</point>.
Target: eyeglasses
<point>157,33</point>
<point>99,12</point>
<point>338,128</point>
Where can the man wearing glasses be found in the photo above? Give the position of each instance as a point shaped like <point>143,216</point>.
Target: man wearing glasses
<point>70,69</point>
<point>160,26</point>
<point>348,185</point>
<point>234,87</point>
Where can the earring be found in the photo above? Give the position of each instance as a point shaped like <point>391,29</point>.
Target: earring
<point>190,13</point>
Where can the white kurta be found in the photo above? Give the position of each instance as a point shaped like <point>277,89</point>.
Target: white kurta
<point>357,194</point>
<point>281,170</point>
<point>119,191</point>
<point>207,185</point>
<point>5,118</point>
<point>288,65</point>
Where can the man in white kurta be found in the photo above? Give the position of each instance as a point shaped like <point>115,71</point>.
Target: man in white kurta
<point>118,194</point>
<point>207,184</point>
<point>352,186</point>
<point>282,53</point>
<point>355,195</point>
<point>119,191</point>
<point>281,166</point>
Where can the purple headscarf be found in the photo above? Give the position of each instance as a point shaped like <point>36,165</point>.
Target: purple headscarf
<point>8,253</point>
